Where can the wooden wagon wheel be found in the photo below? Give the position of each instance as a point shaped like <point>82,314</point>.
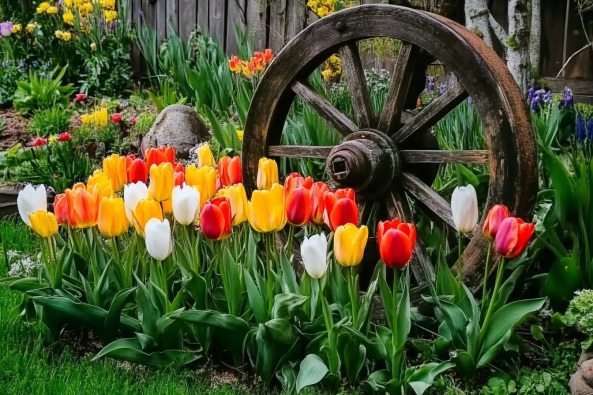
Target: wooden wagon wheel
<point>383,156</point>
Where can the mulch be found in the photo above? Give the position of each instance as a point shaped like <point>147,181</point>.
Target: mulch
<point>15,130</point>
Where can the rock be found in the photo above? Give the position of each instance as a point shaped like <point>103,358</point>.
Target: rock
<point>177,126</point>
<point>587,372</point>
<point>578,386</point>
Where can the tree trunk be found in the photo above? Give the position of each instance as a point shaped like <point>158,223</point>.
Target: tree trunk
<point>518,42</point>
<point>444,8</point>
<point>477,18</point>
<point>535,35</point>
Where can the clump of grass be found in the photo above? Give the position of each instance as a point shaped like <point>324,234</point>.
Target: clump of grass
<point>15,235</point>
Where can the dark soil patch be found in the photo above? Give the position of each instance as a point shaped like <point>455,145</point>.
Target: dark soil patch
<point>15,130</point>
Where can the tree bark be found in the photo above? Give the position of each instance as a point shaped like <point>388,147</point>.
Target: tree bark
<point>518,42</point>
<point>535,35</point>
<point>477,19</point>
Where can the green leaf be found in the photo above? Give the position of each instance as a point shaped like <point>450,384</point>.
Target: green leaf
<point>287,305</point>
<point>288,275</point>
<point>256,300</point>
<point>424,376</point>
<point>232,283</point>
<point>131,350</point>
<point>354,358</point>
<point>312,371</point>
<point>281,330</point>
<point>465,363</point>
<point>537,333</point>
<point>112,319</point>
<point>564,279</point>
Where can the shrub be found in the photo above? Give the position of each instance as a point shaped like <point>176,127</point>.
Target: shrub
<point>42,91</point>
<point>581,311</point>
<point>54,120</point>
<point>10,73</point>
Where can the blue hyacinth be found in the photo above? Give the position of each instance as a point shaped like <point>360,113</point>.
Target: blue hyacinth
<point>443,88</point>
<point>580,128</point>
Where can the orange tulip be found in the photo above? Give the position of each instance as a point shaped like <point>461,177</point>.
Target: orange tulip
<point>230,171</point>
<point>317,203</point>
<point>113,221</point>
<point>146,210</point>
<point>61,208</point>
<point>204,179</point>
<point>114,168</point>
<point>235,64</point>
<point>215,219</point>
<point>179,175</point>
<point>396,242</point>
<point>294,180</point>
<point>340,208</point>
<point>83,207</point>
<point>167,206</point>
<point>156,156</point>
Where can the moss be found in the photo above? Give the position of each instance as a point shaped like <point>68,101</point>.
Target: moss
<point>512,43</point>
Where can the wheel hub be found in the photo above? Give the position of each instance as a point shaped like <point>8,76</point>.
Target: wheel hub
<point>366,161</point>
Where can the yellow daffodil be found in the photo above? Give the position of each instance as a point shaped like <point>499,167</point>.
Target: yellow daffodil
<point>59,34</point>
<point>267,173</point>
<point>205,157</point>
<point>145,210</point>
<point>265,211</point>
<point>112,217</point>
<point>114,168</point>
<point>240,135</point>
<point>53,139</point>
<point>66,36</point>
<point>17,29</point>
<point>238,201</point>
<point>349,244</point>
<point>204,179</point>
<point>68,17</point>
<point>52,10</point>
<point>110,16</point>
<point>162,181</point>
<point>44,224</point>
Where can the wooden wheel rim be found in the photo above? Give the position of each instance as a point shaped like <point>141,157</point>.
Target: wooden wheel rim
<point>505,120</point>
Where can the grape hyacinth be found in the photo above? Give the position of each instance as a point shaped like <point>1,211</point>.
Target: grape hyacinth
<point>538,98</point>
<point>430,84</point>
<point>589,128</point>
<point>580,128</point>
<point>6,63</point>
<point>567,100</point>
<point>442,88</point>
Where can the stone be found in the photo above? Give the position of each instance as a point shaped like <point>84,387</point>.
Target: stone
<point>176,126</point>
<point>578,386</point>
<point>587,372</point>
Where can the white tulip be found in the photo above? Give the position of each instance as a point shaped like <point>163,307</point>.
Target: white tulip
<point>158,238</point>
<point>133,194</point>
<point>464,207</point>
<point>186,204</point>
<point>31,200</point>
<point>314,254</point>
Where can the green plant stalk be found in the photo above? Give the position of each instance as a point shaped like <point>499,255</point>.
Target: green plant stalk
<point>486,270</point>
<point>353,291</point>
<point>493,300</point>
<point>269,275</point>
<point>333,367</point>
<point>460,244</point>
<point>394,361</point>
<point>290,240</point>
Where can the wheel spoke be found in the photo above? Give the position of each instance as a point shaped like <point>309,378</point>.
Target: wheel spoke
<point>341,122</point>
<point>354,72</point>
<point>434,112</point>
<point>299,151</point>
<point>398,207</point>
<point>398,92</point>
<point>429,197</point>
<point>444,156</point>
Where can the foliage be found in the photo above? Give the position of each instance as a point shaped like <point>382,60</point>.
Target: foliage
<point>51,121</point>
<point>143,123</point>
<point>10,73</point>
<point>42,92</point>
<point>580,311</point>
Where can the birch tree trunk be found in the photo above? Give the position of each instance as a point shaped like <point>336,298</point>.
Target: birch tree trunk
<point>477,19</point>
<point>535,35</point>
<point>518,42</point>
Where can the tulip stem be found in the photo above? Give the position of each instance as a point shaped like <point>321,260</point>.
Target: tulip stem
<point>493,300</point>
<point>394,344</point>
<point>269,274</point>
<point>460,262</point>
<point>486,271</point>
<point>353,296</point>
<point>290,240</point>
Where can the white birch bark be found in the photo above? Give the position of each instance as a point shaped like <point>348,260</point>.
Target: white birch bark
<point>519,34</point>
<point>535,35</point>
<point>477,18</point>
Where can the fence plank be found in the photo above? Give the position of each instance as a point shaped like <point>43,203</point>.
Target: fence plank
<point>136,10</point>
<point>235,17</point>
<point>296,11</point>
<point>172,17</point>
<point>256,23</point>
<point>187,17</point>
<point>217,21</point>
<point>276,38</point>
<point>203,12</point>
<point>161,19</point>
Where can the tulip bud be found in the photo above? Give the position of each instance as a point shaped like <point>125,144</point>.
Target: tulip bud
<point>396,242</point>
<point>114,168</point>
<point>314,254</point>
<point>186,204</point>
<point>230,171</point>
<point>112,217</point>
<point>267,174</point>
<point>30,201</point>
<point>44,224</point>
<point>137,171</point>
<point>265,211</point>
<point>83,207</point>
<point>158,239</point>
<point>161,181</point>
<point>317,203</point>
<point>495,217</point>
<point>238,201</point>
<point>215,219</point>
<point>205,157</point>
<point>340,208</point>
<point>61,208</point>
<point>349,244</point>
<point>512,237</point>
<point>144,212</point>
<point>464,207</point>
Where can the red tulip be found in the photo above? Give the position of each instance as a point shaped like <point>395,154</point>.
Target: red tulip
<point>65,136</point>
<point>317,205</point>
<point>340,208</point>
<point>215,219</point>
<point>179,175</point>
<point>495,217</point>
<point>115,118</point>
<point>38,142</point>
<point>267,55</point>
<point>512,237</point>
<point>295,180</point>
<point>396,242</point>
<point>229,170</point>
<point>156,156</point>
<point>133,121</point>
<point>80,97</point>
<point>137,171</point>
<point>298,206</point>
<point>61,208</point>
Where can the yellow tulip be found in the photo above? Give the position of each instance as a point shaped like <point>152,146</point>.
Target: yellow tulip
<point>145,210</point>
<point>238,200</point>
<point>162,181</point>
<point>112,217</point>
<point>100,181</point>
<point>267,173</point>
<point>205,157</point>
<point>265,211</point>
<point>204,179</point>
<point>44,224</point>
<point>349,244</point>
<point>114,168</point>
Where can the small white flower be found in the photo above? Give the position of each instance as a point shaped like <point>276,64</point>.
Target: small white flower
<point>464,207</point>
<point>314,254</point>
<point>31,200</point>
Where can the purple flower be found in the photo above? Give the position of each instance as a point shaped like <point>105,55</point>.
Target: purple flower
<point>6,63</point>
<point>6,29</point>
<point>23,64</point>
<point>42,74</point>
<point>125,103</point>
<point>443,88</point>
<point>430,84</point>
<point>35,63</point>
<point>539,98</point>
<point>531,93</point>
<point>547,97</point>
<point>580,129</point>
<point>589,125</point>
<point>567,100</point>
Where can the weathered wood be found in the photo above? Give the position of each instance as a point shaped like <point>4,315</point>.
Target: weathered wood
<point>578,85</point>
<point>299,151</point>
<point>442,156</point>
<point>202,15</point>
<point>433,113</point>
<point>296,11</point>
<point>277,25</point>
<point>256,23</point>
<point>161,19</point>
<point>187,18</point>
<point>354,72</point>
<point>136,53</point>
<point>216,21</point>
<point>235,19</point>
<point>398,92</point>
<point>341,122</point>
<point>172,17</point>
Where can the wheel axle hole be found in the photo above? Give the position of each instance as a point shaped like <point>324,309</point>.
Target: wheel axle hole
<point>340,166</point>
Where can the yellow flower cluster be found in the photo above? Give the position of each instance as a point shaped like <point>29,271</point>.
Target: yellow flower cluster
<point>110,16</point>
<point>43,7</point>
<point>332,69</point>
<point>321,7</point>
<point>31,27</point>
<point>17,29</point>
<point>68,17</point>
<point>99,118</point>
<point>66,36</point>
<point>107,4</point>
